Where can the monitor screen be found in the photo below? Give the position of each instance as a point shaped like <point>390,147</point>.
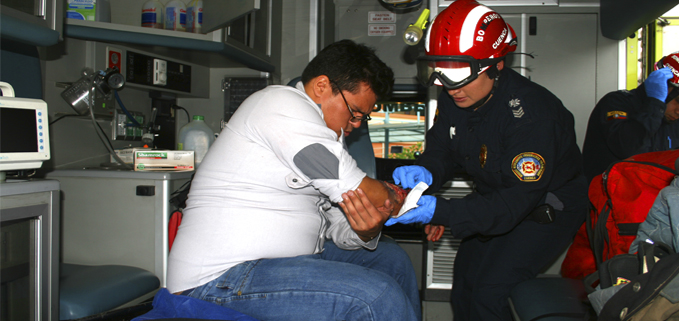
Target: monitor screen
<point>18,131</point>
<point>24,133</point>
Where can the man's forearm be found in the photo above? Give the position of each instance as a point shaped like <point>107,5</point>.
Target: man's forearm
<point>379,191</point>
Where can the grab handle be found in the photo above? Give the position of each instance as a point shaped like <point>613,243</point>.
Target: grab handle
<point>7,89</point>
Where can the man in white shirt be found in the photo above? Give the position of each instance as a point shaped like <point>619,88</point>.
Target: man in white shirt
<point>262,232</point>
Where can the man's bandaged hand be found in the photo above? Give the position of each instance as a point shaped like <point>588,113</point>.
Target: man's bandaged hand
<point>421,214</point>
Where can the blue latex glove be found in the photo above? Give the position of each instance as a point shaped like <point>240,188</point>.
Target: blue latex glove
<point>421,214</point>
<point>656,83</point>
<point>409,176</point>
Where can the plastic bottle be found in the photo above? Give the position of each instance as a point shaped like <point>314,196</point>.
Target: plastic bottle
<point>175,15</point>
<point>194,16</point>
<point>196,136</point>
<point>152,14</point>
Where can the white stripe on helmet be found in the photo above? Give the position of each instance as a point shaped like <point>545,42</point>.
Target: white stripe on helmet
<point>426,38</point>
<point>509,34</point>
<point>468,32</point>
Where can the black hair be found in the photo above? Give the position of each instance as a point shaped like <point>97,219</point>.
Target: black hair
<point>673,94</point>
<point>492,70</point>
<point>347,64</point>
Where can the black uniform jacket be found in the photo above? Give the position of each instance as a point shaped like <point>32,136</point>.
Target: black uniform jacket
<point>520,150</point>
<point>623,124</point>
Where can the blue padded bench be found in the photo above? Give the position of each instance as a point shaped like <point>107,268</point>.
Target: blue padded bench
<point>86,290</point>
<point>549,299</point>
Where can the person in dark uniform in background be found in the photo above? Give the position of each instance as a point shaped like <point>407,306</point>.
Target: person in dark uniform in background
<point>516,140</point>
<point>626,123</point>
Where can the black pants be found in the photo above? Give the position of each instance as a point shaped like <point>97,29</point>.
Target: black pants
<point>486,270</point>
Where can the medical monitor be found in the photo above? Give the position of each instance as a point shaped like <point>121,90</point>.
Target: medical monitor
<point>24,134</point>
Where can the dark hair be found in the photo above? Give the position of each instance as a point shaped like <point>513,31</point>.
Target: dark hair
<point>492,70</point>
<point>347,64</point>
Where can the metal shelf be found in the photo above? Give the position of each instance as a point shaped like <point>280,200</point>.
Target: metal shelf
<point>22,28</point>
<point>133,35</point>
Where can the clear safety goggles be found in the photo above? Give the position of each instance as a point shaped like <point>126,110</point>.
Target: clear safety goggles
<point>451,72</point>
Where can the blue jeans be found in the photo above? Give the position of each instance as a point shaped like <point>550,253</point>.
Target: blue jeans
<point>333,285</point>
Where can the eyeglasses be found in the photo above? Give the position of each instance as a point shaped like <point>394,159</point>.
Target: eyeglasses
<point>353,119</point>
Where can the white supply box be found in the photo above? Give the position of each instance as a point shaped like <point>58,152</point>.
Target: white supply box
<point>127,154</point>
<point>164,160</point>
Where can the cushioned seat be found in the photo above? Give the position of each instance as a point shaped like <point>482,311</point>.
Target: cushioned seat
<point>87,290</point>
<point>549,299</point>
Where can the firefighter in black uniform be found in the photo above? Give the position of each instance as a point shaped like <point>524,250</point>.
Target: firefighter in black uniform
<point>625,123</point>
<point>517,141</point>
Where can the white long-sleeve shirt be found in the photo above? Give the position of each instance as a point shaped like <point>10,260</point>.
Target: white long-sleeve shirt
<point>264,190</point>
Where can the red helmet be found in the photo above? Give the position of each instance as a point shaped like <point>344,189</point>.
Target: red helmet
<point>671,61</point>
<point>462,42</point>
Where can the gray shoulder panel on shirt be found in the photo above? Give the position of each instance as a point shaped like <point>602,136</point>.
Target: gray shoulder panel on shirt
<point>317,162</point>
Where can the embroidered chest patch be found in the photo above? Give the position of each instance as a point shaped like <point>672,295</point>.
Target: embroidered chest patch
<point>528,166</point>
<point>616,114</point>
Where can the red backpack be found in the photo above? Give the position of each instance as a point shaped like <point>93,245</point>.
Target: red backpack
<point>620,200</point>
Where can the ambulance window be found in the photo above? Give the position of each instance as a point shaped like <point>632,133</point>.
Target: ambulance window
<point>397,129</point>
<point>650,43</point>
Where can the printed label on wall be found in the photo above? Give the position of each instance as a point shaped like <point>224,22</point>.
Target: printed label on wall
<point>381,30</point>
<point>381,16</point>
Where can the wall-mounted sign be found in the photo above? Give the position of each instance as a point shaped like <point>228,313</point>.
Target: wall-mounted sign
<point>381,30</point>
<point>381,17</point>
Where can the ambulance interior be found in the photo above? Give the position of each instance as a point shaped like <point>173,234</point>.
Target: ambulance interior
<point>73,205</point>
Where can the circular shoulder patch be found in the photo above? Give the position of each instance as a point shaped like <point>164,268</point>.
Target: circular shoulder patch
<point>528,167</point>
